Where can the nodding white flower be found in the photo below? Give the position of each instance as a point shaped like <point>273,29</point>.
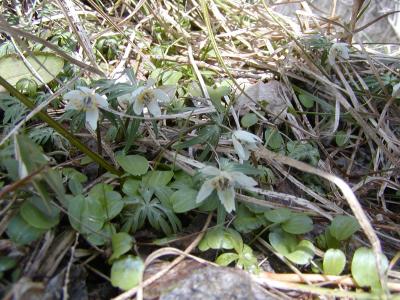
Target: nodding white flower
<point>87,100</point>
<point>338,49</point>
<point>224,182</point>
<point>244,141</point>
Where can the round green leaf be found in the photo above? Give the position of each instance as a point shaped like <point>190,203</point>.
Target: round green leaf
<point>363,267</point>
<point>303,253</point>
<point>131,187</point>
<point>334,262</point>
<point>184,200</point>
<point>171,77</point>
<point>282,242</point>
<point>21,232</point>
<point>306,100</point>
<point>133,164</point>
<point>298,224</point>
<point>249,119</point>
<point>103,236</point>
<point>47,66</point>
<point>278,215</point>
<point>127,272</point>
<point>226,259</point>
<point>341,138</point>
<point>121,243</point>
<point>37,215</point>
<point>273,138</point>
<point>343,227</point>
<point>85,214</point>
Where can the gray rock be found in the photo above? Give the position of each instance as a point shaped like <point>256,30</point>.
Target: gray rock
<point>213,283</point>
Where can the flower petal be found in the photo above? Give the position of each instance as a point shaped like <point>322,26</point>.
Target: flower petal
<point>227,197</point>
<point>247,137</point>
<point>239,149</point>
<point>161,95</point>
<point>91,118</point>
<point>136,93</point>
<point>124,100</point>
<point>86,90</point>
<point>206,189</point>
<point>75,94</point>
<point>101,100</point>
<point>138,107</point>
<point>154,108</point>
<point>75,104</point>
<point>242,180</point>
<point>210,171</point>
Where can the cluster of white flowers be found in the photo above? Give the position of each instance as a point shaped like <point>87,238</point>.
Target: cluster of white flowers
<point>224,182</point>
<point>87,100</point>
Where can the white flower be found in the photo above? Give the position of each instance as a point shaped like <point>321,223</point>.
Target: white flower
<point>338,49</point>
<point>224,182</point>
<point>87,100</point>
<point>244,141</point>
<point>145,96</point>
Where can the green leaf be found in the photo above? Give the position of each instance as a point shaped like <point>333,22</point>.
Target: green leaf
<point>7,263</point>
<point>39,214</point>
<point>363,268</point>
<point>343,227</point>
<point>303,151</point>
<point>282,242</point>
<point>273,138</point>
<point>341,138</point>
<point>121,243</point>
<point>46,65</point>
<point>307,100</point>
<point>133,164</point>
<point>184,200</point>
<point>127,272</point>
<point>298,224</point>
<point>334,262</point>
<point>21,232</point>
<point>287,245</point>
<point>110,201</point>
<point>131,187</point>
<point>156,179</point>
<point>249,120</point>
<point>303,253</point>
<point>103,236</point>
<point>246,221</point>
<point>278,215</point>
<point>226,259</point>
<point>171,77</point>
<point>85,214</point>
<point>220,238</point>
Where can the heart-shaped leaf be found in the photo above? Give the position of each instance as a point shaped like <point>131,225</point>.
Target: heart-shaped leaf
<point>364,270</point>
<point>127,272</point>
<point>298,224</point>
<point>133,164</point>
<point>334,262</point>
<point>184,200</point>
<point>278,215</point>
<point>121,243</point>
<point>343,227</point>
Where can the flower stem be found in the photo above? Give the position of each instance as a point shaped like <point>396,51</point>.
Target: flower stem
<point>61,130</point>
